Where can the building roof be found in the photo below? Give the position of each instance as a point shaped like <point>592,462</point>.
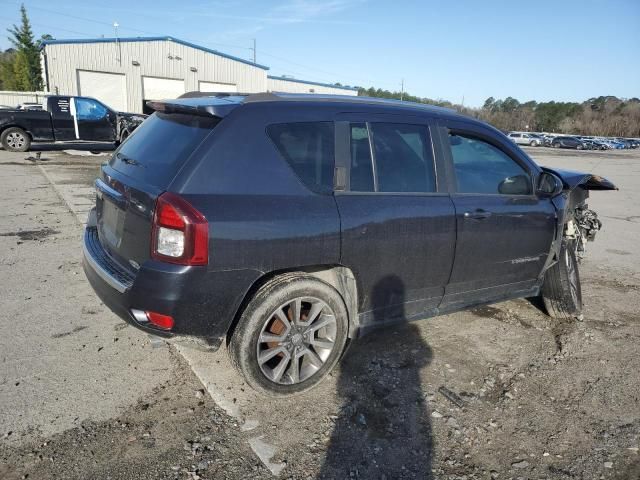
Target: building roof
<point>307,82</point>
<point>152,39</point>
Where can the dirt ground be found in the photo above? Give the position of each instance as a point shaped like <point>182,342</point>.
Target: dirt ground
<point>497,392</point>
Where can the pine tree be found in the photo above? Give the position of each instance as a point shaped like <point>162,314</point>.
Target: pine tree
<point>26,63</point>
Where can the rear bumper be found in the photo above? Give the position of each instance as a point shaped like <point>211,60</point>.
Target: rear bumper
<point>202,303</point>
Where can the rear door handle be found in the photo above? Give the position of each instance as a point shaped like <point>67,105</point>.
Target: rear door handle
<point>478,214</point>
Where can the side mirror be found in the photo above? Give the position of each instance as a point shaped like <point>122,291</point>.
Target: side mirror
<point>516,185</point>
<point>549,185</point>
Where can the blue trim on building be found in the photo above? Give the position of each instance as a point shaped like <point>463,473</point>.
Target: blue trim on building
<point>307,82</point>
<point>153,39</point>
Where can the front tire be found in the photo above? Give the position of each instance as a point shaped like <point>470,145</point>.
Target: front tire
<point>15,139</point>
<point>290,336</point>
<point>561,290</point>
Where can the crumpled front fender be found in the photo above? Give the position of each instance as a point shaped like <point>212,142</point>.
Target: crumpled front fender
<point>588,181</point>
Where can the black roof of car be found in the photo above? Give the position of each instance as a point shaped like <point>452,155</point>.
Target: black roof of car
<point>220,105</point>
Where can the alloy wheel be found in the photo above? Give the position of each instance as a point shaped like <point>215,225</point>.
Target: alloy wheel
<point>16,140</point>
<point>296,340</point>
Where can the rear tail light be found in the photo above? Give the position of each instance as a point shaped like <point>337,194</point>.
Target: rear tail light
<point>165,322</point>
<point>180,233</point>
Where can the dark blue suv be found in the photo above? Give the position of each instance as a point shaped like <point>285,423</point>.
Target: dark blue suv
<point>286,225</point>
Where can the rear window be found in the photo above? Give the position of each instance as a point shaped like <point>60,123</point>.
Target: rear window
<point>158,148</point>
<point>308,148</point>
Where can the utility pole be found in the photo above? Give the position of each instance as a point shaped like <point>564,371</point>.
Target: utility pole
<point>115,28</point>
<point>254,50</point>
<point>402,89</point>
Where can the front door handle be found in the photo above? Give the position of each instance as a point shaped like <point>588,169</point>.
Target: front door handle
<point>478,214</point>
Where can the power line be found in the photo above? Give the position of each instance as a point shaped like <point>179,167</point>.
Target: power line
<point>52,27</point>
<point>55,12</point>
<point>333,75</point>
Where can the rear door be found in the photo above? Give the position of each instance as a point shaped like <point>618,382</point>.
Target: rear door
<point>95,121</point>
<point>398,224</point>
<point>504,231</point>
<point>62,118</point>
<point>141,169</point>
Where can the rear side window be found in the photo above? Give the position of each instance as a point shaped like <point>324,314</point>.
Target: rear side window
<point>159,147</point>
<point>403,158</point>
<point>308,148</point>
<point>361,165</point>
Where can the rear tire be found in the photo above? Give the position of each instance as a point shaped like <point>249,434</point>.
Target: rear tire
<point>15,139</point>
<point>561,290</point>
<point>306,353</point>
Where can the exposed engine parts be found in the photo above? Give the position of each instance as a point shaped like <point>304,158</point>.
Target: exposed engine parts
<point>582,228</point>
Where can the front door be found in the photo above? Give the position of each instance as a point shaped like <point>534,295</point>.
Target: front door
<point>504,230</point>
<point>398,227</point>
<point>95,122</point>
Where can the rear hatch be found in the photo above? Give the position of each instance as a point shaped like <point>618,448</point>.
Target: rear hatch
<point>141,169</point>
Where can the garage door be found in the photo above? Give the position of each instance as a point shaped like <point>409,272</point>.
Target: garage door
<point>217,87</point>
<point>155,88</point>
<point>160,88</point>
<point>109,88</point>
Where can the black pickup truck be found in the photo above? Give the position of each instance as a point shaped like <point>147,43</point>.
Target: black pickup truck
<point>65,119</point>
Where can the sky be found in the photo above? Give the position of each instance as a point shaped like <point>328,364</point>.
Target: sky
<point>461,50</point>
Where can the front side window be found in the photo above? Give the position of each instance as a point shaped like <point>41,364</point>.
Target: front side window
<point>403,158</point>
<point>87,109</point>
<point>308,148</point>
<point>483,168</point>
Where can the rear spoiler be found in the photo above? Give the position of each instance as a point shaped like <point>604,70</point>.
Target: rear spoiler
<point>219,110</point>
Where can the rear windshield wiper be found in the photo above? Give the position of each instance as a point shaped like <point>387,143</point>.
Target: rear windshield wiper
<point>128,160</point>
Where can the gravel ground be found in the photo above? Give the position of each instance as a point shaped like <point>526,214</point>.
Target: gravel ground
<point>496,392</point>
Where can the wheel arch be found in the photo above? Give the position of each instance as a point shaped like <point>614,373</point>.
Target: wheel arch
<point>341,278</point>
<point>7,126</point>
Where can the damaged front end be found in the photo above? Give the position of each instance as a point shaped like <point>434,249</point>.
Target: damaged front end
<point>578,224</point>
<point>582,228</point>
<point>127,123</point>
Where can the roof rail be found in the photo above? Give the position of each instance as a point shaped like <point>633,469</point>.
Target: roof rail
<point>199,94</point>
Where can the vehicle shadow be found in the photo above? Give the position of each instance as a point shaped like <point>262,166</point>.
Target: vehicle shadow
<point>383,429</point>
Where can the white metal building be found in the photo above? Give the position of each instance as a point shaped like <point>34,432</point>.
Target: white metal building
<point>293,85</point>
<point>124,73</point>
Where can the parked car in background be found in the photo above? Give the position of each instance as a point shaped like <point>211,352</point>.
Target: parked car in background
<point>599,145</point>
<point>628,143</point>
<point>547,139</point>
<point>568,142</point>
<point>525,138</point>
<point>615,144</point>
<point>286,225</point>
<point>65,119</point>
